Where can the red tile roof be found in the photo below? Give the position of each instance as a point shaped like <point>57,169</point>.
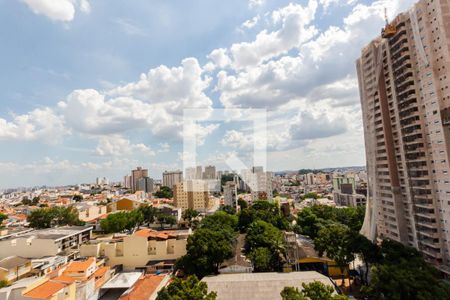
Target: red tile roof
<point>144,288</point>
<point>45,290</point>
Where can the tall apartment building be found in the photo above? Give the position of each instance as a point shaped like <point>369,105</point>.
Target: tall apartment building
<point>210,172</point>
<point>191,194</point>
<point>145,184</point>
<point>171,178</point>
<point>404,79</point>
<point>230,193</point>
<point>135,176</point>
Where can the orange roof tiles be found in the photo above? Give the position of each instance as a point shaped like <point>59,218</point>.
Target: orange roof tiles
<point>101,271</point>
<point>155,234</point>
<point>45,290</point>
<point>64,278</point>
<point>144,288</point>
<point>79,266</point>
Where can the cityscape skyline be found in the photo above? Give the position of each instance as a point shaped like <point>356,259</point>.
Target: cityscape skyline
<point>86,116</point>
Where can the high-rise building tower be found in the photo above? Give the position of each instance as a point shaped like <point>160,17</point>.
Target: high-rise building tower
<point>210,172</point>
<point>171,178</point>
<point>404,79</point>
<point>135,176</point>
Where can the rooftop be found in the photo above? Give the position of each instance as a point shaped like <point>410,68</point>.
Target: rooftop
<point>79,266</point>
<point>123,280</point>
<point>144,288</point>
<point>55,233</point>
<point>259,286</point>
<point>45,290</point>
<point>13,262</point>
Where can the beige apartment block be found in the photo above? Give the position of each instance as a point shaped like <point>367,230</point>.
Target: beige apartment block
<point>137,250</point>
<point>172,178</point>
<point>404,79</point>
<point>191,194</point>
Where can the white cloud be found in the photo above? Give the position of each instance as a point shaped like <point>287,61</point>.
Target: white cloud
<point>163,147</point>
<point>293,21</point>
<point>41,124</point>
<point>116,145</point>
<point>220,58</point>
<point>237,139</point>
<point>156,102</point>
<point>308,127</point>
<point>250,23</point>
<point>58,10</point>
<point>255,3</point>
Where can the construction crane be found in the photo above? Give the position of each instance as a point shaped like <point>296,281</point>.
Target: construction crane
<point>389,30</point>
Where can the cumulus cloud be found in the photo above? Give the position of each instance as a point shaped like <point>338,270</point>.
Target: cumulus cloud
<point>293,19</point>
<point>309,127</point>
<point>156,102</point>
<point>60,10</point>
<point>41,124</point>
<point>255,3</point>
<point>237,139</point>
<point>116,145</point>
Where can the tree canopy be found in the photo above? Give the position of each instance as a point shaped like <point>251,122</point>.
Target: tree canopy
<point>402,273</point>
<point>164,192</point>
<point>53,216</point>
<point>265,211</point>
<point>311,219</point>
<point>122,220</point>
<point>189,289</point>
<point>311,291</point>
<point>265,246</point>
<point>210,245</point>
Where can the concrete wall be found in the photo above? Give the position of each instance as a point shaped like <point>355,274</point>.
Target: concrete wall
<point>28,248</point>
<point>136,251</point>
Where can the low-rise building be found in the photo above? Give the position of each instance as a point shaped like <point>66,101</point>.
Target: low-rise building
<point>139,250</point>
<point>13,268</point>
<point>124,204</point>
<point>45,242</point>
<point>261,286</point>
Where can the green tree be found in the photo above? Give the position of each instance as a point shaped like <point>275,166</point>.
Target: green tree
<point>164,192</point>
<point>189,289</point>
<point>166,219</point>
<point>265,211</point>
<point>26,200</point>
<point>47,217</point>
<point>242,203</point>
<point>291,293</point>
<point>210,245</point>
<point>262,239</point>
<point>121,221</point>
<point>368,251</point>
<point>310,195</point>
<point>149,213</point>
<point>4,283</point>
<point>262,259</point>
<point>77,198</point>
<point>35,200</point>
<point>311,291</point>
<point>336,241</point>
<point>206,250</point>
<point>228,209</point>
<point>3,217</point>
<point>189,215</point>
<point>402,273</point>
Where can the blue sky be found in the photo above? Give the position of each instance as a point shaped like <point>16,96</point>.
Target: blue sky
<point>75,105</point>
